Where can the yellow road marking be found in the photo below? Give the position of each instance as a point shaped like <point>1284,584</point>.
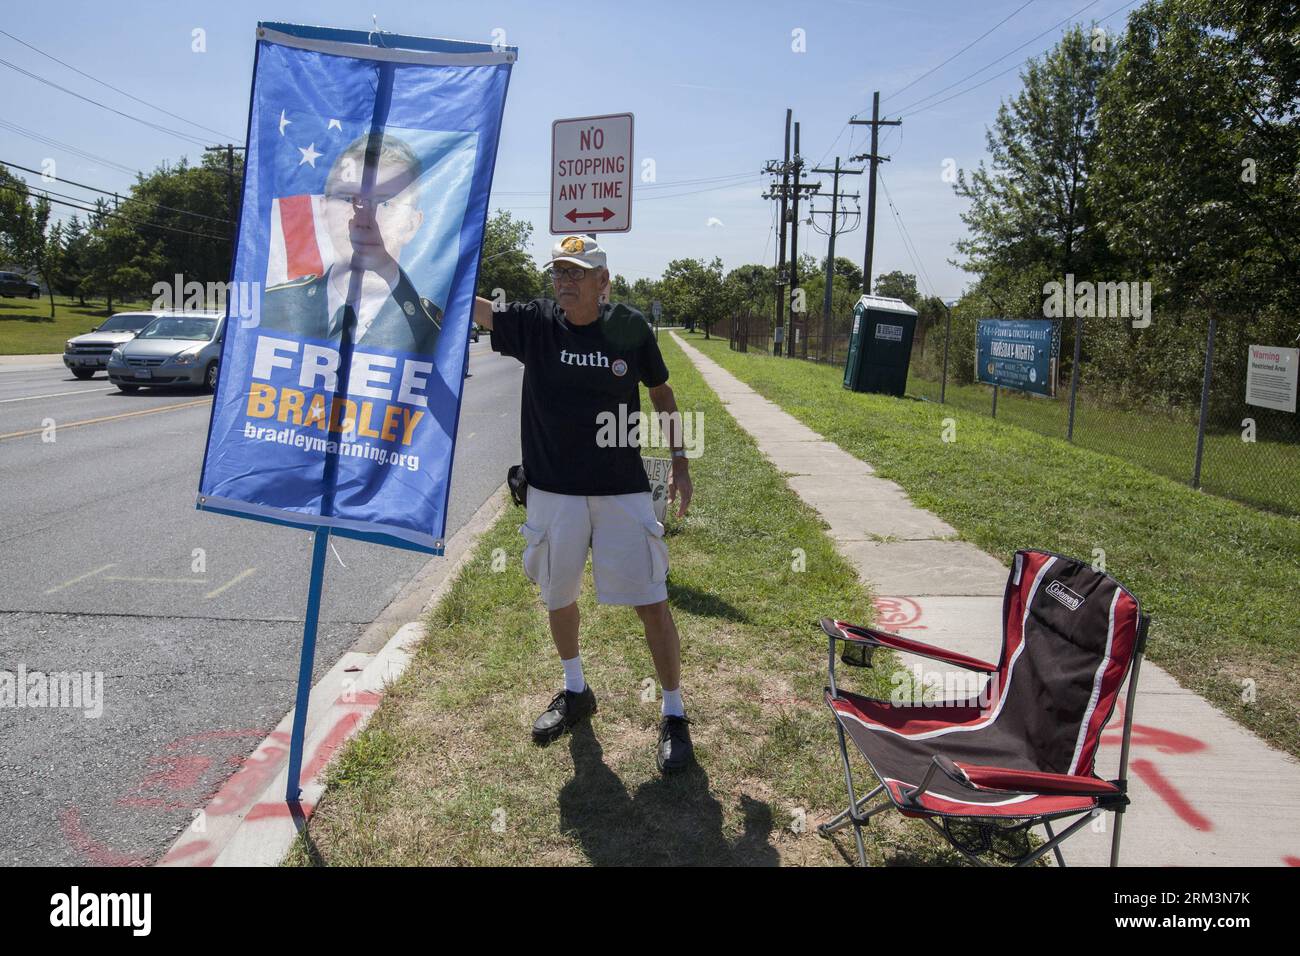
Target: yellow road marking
<point>88,574</point>
<point>231,583</point>
<point>108,418</point>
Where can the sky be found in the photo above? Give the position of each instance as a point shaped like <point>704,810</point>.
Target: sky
<point>708,82</point>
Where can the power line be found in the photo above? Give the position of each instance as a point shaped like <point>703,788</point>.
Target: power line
<point>907,238</point>
<point>838,137</point>
<point>162,129</point>
<point>110,192</point>
<point>1055,26</point>
<point>637,198</point>
<point>76,151</point>
<point>748,174</point>
<point>109,212</point>
<point>961,51</point>
<point>110,86</point>
<point>1011,69</point>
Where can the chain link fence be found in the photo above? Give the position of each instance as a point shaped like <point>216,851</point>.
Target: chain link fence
<point>1196,427</point>
<point>750,332</point>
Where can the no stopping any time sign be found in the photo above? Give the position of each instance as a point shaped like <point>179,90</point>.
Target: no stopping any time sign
<point>591,174</point>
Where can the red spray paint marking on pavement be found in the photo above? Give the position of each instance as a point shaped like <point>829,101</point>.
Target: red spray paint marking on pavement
<point>273,811</point>
<point>177,772</point>
<point>1164,741</point>
<point>191,849</point>
<point>251,778</point>
<point>97,853</point>
<point>365,702</point>
<point>898,613</point>
<point>1170,795</point>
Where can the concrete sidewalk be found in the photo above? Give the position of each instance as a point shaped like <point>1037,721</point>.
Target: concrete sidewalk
<point>1205,791</point>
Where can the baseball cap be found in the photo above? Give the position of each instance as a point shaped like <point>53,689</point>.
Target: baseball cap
<point>579,251</point>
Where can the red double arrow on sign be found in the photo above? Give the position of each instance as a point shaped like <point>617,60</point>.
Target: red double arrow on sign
<point>573,215</point>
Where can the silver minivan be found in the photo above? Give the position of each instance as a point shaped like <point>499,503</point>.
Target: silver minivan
<point>176,348</point>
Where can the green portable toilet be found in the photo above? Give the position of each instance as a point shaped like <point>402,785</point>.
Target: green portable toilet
<point>880,346</point>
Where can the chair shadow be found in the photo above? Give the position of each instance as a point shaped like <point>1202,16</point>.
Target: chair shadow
<point>703,603</point>
<point>668,821</point>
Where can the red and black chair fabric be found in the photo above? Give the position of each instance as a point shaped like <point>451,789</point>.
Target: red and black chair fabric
<point>1020,751</point>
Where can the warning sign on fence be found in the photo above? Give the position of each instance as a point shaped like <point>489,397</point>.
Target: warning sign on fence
<point>1271,377</point>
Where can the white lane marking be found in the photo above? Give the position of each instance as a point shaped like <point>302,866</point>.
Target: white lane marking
<point>88,574</point>
<point>80,391</point>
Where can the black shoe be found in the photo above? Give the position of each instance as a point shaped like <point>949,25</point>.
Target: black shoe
<point>675,749</point>
<point>565,710</point>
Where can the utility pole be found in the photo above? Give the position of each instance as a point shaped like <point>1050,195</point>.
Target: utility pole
<point>875,159</point>
<point>788,192</point>
<point>834,211</point>
<point>229,150</point>
<point>794,241</point>
<point>783,167</point>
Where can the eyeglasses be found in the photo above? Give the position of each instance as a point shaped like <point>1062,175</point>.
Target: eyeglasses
<point>573,273</point>
<point>380,203</point>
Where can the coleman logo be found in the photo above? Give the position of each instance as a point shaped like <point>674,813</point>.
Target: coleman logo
<point>1063,594</point>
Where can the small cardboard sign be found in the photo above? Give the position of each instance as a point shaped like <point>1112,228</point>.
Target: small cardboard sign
<point>658,470</point>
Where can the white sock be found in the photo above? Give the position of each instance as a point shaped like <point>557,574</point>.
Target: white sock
<point>672,706</point>
<point>573,679</point>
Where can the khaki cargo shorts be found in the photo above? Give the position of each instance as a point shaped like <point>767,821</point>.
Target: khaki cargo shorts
<point>629,558</point>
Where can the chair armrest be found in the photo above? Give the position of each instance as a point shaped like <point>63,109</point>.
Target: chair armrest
<point>1004,779</point>
<point>869,636</point>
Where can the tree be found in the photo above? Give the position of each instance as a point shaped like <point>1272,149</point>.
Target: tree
<point>849,270</point>
<point>1030,215</point>
<point>25,236</point>
<point>898,285</point>
<point>506,264</point>
<point>620,291</point>
<point>1198,164</point>
<point>749,288</point>
<point>72,260</point>
<point>693,291</point>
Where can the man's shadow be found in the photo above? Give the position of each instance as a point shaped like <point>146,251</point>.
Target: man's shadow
<point>669,821</point>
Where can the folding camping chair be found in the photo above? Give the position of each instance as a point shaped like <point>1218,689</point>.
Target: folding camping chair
<point>983,771</point>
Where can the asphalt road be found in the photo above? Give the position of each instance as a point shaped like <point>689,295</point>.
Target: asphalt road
<point>194,619</point>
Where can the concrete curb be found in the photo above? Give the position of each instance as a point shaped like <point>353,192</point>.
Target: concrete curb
<point>37,360</point>
<point>248,822</point>
<point>1191,766</point>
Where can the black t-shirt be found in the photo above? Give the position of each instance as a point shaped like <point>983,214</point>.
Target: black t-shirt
<point>575,378</point>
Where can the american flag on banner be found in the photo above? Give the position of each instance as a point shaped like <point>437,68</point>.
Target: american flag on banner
<point>308,145</point>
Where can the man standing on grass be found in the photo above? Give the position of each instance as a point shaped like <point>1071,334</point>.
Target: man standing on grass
<point>582,361</point>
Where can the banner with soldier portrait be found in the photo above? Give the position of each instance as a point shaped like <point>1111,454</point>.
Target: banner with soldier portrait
<point>369,166</point>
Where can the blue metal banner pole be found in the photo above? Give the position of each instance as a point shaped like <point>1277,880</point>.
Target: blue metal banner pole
<point>305,663</point>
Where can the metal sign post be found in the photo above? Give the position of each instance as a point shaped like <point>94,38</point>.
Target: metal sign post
<point>306,662</point>
<point>591,174</point>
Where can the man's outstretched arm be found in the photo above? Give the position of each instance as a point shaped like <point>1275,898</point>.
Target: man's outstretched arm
<point>483,312</point>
